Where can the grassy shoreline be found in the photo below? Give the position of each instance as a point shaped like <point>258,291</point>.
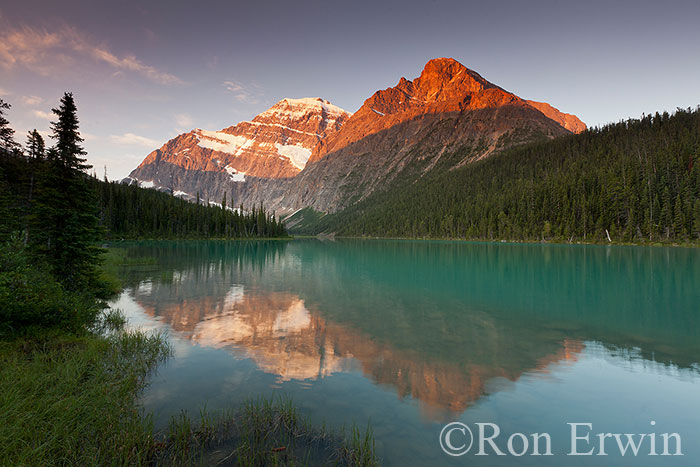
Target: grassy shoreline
<point>73,400</point>
<point>71,397</point>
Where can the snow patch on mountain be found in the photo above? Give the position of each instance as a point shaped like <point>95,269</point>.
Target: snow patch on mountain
<point>297,155</point>
<point>288,110</point>
<point>222,142</point>
<point>235,175</point>
<point>235,145</point>
<point>300,107</point>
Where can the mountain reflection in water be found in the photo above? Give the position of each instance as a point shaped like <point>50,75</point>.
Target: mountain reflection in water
<point>283,337</point>
<point>444,332</point>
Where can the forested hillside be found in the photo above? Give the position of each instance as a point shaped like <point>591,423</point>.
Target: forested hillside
<point>130,211</point>
<point>127,211</point>
<point>637,180</point>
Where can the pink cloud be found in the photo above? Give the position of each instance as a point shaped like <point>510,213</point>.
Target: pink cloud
<point>44,52</point>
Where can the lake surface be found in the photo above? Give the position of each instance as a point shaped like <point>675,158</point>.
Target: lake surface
<point>412,335</point>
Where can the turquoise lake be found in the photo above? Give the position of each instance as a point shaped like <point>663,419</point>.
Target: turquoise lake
<point>412,335</point>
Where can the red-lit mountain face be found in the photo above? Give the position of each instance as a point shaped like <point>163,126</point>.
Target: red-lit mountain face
<point>307,152</point>
<point>275,144</point>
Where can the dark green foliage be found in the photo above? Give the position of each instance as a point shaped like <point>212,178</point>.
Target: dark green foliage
<point>16,178</point>
<point>51,284</point>
<point>64,227</point>
<point>35,145</point>
<point>303,219</point>
<point>127,211</point>
<point>6,216</point>
<point>67,149</point>
<point>30,296</point>
<point>7,141</point>
<point>132,212</point>
<point>637,180</point>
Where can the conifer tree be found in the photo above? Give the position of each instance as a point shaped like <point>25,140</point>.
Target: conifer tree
<point>35,145</point>
<point>678,220</point>
<point>64,219</point>
<point>7,141</point>
<point>5,209</point>
<point>9,146</point>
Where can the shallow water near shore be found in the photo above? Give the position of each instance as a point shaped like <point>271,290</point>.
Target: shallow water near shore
<point>412,335</point>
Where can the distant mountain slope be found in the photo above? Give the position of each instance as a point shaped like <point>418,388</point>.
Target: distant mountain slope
<point>637,180</point>
<point>309,153</point>
<point>568,121</point>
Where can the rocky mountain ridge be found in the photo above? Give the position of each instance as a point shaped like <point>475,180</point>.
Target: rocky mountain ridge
<point>309,153</point>
<point>275,144</point>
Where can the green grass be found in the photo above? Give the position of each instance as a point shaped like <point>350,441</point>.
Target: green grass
<point>72,400</point>
<point>260,433</point>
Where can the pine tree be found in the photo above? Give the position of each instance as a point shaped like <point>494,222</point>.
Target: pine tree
<point>6,202</point>
<point>696,218</point>
<point>35,145</point>
<point>678,219</point>
<point>666,212</point>
<point>7,146</point>
<point>64,219</point>
<point>35,149</point>
<point>7,134</point>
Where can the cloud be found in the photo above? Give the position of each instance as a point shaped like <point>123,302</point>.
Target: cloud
<point>232,86</point>
<point>4,93</point>
<point>249,94</point>
<point>45,52</point>
<point>134,140</point>
<point>43,115</point>
<point>32,100</point>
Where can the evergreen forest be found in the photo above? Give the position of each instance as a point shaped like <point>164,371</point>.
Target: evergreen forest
<point>633,181</point>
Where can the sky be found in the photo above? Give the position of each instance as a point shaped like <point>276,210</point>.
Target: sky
<point>144,71</point>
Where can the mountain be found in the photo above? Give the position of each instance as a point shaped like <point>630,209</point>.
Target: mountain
<point>632,181</point>
<point>309,153</point>
<point>446,118</point>
<point>275,144</point>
